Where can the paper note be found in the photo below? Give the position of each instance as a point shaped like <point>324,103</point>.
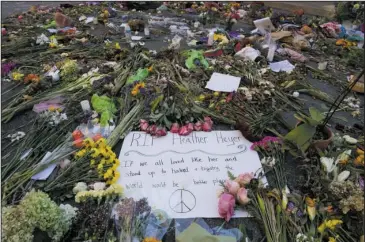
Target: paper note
<point>282,66</point>
<point>223,83</point>
<point>43,175</point>
<point>181,174</point>
<point>136,37</point>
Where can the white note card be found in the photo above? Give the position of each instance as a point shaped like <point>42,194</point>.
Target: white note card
<point>223,83</point>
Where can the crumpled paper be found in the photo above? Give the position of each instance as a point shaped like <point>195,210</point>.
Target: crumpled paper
<point>292,54</point>
<point>282,66</point>
<point>248,53</point>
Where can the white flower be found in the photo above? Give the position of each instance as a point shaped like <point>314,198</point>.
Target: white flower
<point>267,92</point>
<point>42,39</point>
<point>98,186</point>
<point>80,187</point>
<point>328,164</point>
<point>295,94</point>
<point>343,176</point>
<point>63,116</point>
<point>65,163</point>
<point>350,140</point>
<point>301,238</point>
<point>268,161</point>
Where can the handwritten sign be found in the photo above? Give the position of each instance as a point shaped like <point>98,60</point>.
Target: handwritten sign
<point>182,174</point>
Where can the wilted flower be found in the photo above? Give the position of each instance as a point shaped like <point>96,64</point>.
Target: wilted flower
<point>245,178</point>
<point>328,164</point>
<point>190,127</point>
<point>232,186</point>
<point>242,196</point>
<point>343,157</point>
<point>7,67</point>
<point>311,207</point>
<point>361,182</point>
<point>175,128</point>
<point>226,206</point>
<point>143,125</point>
<point>152,129</point>
<point>184,130</point>
<point>198,126</point>
<point>160,132</point>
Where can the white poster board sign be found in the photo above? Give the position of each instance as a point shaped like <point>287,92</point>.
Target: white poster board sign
<point>182,174</point>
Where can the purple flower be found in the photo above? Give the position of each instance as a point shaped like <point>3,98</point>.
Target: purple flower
<point>290,206</point>
<point>299,213</point>
<point>7,67</point>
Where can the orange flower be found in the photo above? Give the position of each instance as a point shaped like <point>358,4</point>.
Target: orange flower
<point>329,209</point>
<point>31,77</point>
<point>359,161</point>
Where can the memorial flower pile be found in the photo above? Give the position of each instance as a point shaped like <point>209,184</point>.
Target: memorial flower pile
<point>77,84</point>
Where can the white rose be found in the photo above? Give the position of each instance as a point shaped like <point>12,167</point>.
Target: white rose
<point>343,176</point>
<point>350,140</point>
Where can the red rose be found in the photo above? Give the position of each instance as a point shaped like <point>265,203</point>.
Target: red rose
<point>175,128</point>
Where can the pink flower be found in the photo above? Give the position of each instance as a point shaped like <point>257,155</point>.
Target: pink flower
<point>143,125</point>
<point>226,206</point>
<point>232,186</point>
<point>3,31</point>
<point>207,127</point>
<point>245,178</point>
<point>161,132</point>
<point>208,120</point>
<point>175,128</point>
<point>191,127</point>
<point>242,196</point>
<point>20,17</point>
<point>184,130</point>
<point>152,129</point>
<point>198,126</point>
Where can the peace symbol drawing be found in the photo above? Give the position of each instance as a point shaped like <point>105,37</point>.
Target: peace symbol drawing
<point>182,201</point>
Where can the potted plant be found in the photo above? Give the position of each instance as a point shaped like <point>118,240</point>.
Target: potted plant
<point>310,131</point>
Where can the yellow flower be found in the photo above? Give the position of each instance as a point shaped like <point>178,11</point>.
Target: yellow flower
<point>116,174</point>
<point>134,92</point>
<point>329,224</point>
<point>92,162</point>
<point>331,239</point>
<point>52,108</point>
<point>89,143</point>
<point>151,239</point>
<point>100,167</point>
<point>80,153</point>
<point>108,173</point>
<point>17,76</point>
<point>150,68</point>
<point>311,207</point>
<point>114,167</point>
<point>101,143</point>
<point>117,162</point>
<point>114,180</point>
<point>117,46</point>
<point>95,152</point>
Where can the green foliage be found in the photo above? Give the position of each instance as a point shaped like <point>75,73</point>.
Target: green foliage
<point>304,133</point>
<point>36,210</point>
<point>230,175</point>
<point>104,106</point>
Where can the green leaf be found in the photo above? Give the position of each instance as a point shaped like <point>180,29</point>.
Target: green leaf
<point>316,114</point>
<point>230,175</point>
<point>301,135</point>
<point>155,103</point>
<point>105,106</point>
